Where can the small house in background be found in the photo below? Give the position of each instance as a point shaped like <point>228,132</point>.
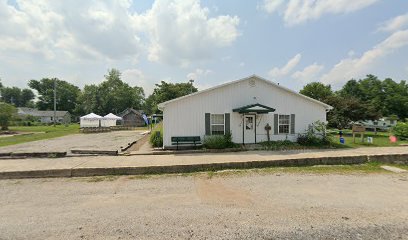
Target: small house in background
<point>380,124</point>
<point>132,118</point>
<point>63,117</point>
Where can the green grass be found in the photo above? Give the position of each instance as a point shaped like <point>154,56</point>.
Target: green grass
<point>367,168</point>
<point>38,133</point>
<point>381,139</point>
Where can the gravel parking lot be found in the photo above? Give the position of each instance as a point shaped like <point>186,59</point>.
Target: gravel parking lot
<point>239,206</point>
<point>110,141</point>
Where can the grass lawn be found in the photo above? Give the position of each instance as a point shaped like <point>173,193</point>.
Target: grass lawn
<point>381,139</point>
<point>38,133</point>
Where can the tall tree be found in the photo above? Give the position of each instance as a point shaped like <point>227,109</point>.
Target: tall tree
<point>67,94</point>
<point>16,96</point>
<point>111,96</point>
<point>317,90</point>
<point>167,91</point>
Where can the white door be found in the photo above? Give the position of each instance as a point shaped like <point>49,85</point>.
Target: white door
<point>249,129</point>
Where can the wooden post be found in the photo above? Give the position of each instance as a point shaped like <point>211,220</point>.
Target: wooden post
<point>268,128</point>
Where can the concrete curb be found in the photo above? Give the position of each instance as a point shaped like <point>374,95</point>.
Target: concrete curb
<point>21,155</point>
<point>188,168</point>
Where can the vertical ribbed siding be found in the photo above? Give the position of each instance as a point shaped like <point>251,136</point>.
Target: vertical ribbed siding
<point>292,123</point>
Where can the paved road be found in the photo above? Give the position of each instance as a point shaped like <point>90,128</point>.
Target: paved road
<point>95,141</point>
<point>241,206</point>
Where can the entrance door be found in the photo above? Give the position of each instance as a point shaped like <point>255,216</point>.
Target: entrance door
<point>249,129</point>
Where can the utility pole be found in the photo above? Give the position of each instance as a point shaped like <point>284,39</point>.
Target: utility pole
<point>55,99</point>
<point>191,88</point>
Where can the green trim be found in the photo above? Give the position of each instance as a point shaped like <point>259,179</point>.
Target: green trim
<point>247,109</point>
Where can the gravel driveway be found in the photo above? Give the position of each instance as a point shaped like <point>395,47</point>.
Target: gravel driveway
<point>244,206</point>
<point>91,141</point>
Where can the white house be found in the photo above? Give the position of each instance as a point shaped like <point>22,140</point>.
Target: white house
<point>242,107</point>
<point>45,116</point>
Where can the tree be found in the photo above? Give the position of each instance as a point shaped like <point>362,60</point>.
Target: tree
<point>67,94</point>
<point>111,96</point>
<point>167,91</point>
<point>7,111</point>
<point>16,96</point>
<point>346,110</point>
<point>317,90</point>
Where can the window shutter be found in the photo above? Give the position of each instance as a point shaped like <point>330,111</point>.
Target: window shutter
<point>207,124</point>
<point>227,123</point>
<point>275,124</point>
<point>292,123</point>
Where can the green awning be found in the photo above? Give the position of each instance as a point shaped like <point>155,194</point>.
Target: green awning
<point>254,108</point>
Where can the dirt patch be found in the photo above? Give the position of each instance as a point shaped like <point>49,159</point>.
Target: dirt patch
<point>214,192</point>
<point>139,143</point>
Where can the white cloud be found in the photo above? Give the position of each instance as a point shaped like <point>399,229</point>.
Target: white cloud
<point>172,31</point>
<point>242,64</point>
<point>300,11</point>
<point>309,73</point>
<point>198,73</point>
<point>182,31</point>
<point>271,6</point>
<point>135,77</point>
<point>357,67</point>
<point>395,24</point>
<point>285,70</point>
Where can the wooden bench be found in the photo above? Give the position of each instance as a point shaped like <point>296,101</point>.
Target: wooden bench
<point>186,140</point>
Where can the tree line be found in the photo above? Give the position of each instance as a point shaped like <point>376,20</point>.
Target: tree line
<point>365,99</point>
<point>113,95</point>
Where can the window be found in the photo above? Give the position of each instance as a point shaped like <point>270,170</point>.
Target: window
<point>217,124</point>
<point>284,122</point>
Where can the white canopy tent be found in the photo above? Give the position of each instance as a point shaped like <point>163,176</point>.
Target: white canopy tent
<point>90,120</point>
<point>110,120</point>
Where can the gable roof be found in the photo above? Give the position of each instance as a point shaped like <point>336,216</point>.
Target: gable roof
<point>37,113</point>
<point>112,116</point>
<point>91,116</point>
<point>328,107</point>
<point>258,108</point>
<point>130,110</point>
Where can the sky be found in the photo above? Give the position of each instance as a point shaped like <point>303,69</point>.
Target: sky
<point>292,42</point>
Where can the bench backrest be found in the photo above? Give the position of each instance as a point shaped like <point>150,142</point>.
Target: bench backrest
<point>186,139</point>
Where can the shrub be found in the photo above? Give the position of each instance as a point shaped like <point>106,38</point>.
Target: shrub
<point>218,141</point>
<point>279,145</point>
<point>315,135</point>
<point>156,139</point>
<point>401,130</point>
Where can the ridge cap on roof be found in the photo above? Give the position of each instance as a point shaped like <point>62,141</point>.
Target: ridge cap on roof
<point>163,104</point>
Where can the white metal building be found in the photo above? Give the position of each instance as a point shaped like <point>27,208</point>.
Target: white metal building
<point>110,120</point>
<point>243,107</point>
<point>90,120</point>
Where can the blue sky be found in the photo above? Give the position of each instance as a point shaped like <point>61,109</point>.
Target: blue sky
<point>291,42</point>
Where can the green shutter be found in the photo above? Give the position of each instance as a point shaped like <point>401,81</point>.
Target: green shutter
<point>207,124</point>
<point>227,123</point>
<point>292,123</point>
<point>275,124</point>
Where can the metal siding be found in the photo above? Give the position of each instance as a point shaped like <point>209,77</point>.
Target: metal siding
<point>292,123</point>
<point>185,117</point>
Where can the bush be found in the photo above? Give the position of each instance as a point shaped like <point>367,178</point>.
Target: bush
<point>401,130</point>
<point>315,135</point>
<point>218,141</point>
<point>279,145</point>
<point>156,139</point>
